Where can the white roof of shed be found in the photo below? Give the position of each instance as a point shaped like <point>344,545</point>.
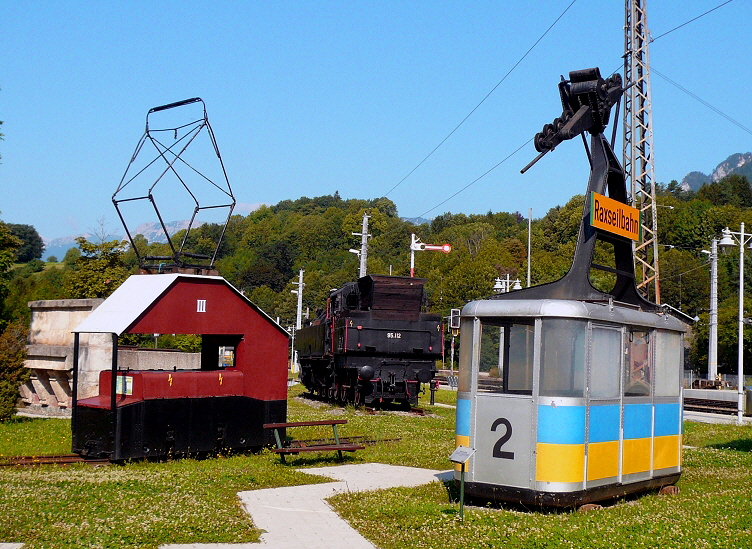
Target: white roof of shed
<point>130,300</point>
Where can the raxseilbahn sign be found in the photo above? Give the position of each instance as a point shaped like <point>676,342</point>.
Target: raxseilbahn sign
<point>615,217</point>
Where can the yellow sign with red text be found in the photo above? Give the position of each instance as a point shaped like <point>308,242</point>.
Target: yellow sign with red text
<point>615,217</point>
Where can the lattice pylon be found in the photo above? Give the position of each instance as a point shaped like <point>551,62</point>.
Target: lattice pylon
<point>639,171</point>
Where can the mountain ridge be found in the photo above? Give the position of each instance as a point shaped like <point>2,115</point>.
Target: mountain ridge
<point>152,231</point>
<point>737,163</point>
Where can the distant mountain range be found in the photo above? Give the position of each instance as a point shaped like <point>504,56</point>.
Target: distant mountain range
<point>151,231</point>
<point>416,220</point>
<point>739,163</point>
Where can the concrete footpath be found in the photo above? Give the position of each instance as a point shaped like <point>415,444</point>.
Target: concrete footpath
<point>298,516</point>
<point>705,417</point>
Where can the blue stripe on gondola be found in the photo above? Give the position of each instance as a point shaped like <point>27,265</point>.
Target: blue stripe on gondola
<point>463,417</point>
<point>667,419</point>
<point>638,420</point>
<point>561,425</point>
<point>604,423</point>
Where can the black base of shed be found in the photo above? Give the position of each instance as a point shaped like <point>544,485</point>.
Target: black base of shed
<point>166,427</point>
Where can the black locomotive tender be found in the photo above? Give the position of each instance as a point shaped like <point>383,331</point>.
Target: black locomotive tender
<point>372,344</point>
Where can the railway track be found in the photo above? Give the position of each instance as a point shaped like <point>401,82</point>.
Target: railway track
<point>63,459</point>
<point>711,406</point>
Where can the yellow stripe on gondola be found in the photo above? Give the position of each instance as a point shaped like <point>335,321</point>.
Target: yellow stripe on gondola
<point>560,462</point>
<point>603,460</point>
<point>636,456</point>
<point>666,451</point>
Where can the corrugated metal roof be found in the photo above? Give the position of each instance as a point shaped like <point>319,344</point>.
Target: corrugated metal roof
<point>132,298</point>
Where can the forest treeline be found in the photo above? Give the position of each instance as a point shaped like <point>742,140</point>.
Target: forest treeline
<point>261,254</point>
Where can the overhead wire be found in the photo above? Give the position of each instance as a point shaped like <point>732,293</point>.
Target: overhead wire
<point>701,100</point>
<point>685,90</point>
<point>479,177</point>
<point>523,145</point>
<point>690,21</point>
<point>704,264</point>
<point>697,98</point>
<point>482,100</point>
<point>678,86</point>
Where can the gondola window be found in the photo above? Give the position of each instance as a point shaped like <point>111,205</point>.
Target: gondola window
<point>563,357</point>
<point>506,359</point>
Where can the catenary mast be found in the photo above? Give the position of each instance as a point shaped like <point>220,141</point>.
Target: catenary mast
<point>638,144</point>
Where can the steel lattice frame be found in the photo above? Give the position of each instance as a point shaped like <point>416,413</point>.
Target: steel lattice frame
<point>638,144</point>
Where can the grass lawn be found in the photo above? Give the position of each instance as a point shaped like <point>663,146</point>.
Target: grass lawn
<point>713,509</point>
<point>188,501</point>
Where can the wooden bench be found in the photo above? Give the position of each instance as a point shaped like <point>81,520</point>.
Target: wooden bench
<point>338,446</point>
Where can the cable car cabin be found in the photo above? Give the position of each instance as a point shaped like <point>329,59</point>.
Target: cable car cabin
<point>240,386</point>
<point>570,391</point>
<point>568,402</point>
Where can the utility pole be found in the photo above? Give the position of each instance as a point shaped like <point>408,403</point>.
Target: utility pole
<point>299,317</point>
<point>639,173</point>
<point>363,234</point>
<point>713,336</point>
<point>529,232</point>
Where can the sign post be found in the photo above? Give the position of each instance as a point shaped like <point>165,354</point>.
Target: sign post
<point>460,455</point>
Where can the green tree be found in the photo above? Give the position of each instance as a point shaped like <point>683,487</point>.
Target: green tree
<point>71,256</point>
<point>99,271</point>
<point>685,283</point>
<point>8,246</point>
<point>561,224</point>
<point>32,245</point>
<point>48,284</point>
<point>12,371</point>
<point>733,189</point>
<point>675,190</point>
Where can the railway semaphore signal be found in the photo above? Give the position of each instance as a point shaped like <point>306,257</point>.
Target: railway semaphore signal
<point>417,246</point>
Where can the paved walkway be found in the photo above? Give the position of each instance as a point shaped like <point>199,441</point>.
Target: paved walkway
<point>298,516</point>
<point>705,417</point>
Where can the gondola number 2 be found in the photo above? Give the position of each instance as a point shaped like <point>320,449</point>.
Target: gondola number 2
<point>497,451</point>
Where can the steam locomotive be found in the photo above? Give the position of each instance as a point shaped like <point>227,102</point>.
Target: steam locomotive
<point>372,344</point>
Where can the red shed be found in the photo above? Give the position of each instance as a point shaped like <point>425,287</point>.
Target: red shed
<point>144,413</point>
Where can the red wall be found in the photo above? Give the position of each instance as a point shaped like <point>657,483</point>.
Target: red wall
<point>262,353</point>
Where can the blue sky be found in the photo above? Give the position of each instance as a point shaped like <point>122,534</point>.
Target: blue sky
<point>309,98</point>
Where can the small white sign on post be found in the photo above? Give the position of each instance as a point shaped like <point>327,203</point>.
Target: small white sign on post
<point>460,455</point>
